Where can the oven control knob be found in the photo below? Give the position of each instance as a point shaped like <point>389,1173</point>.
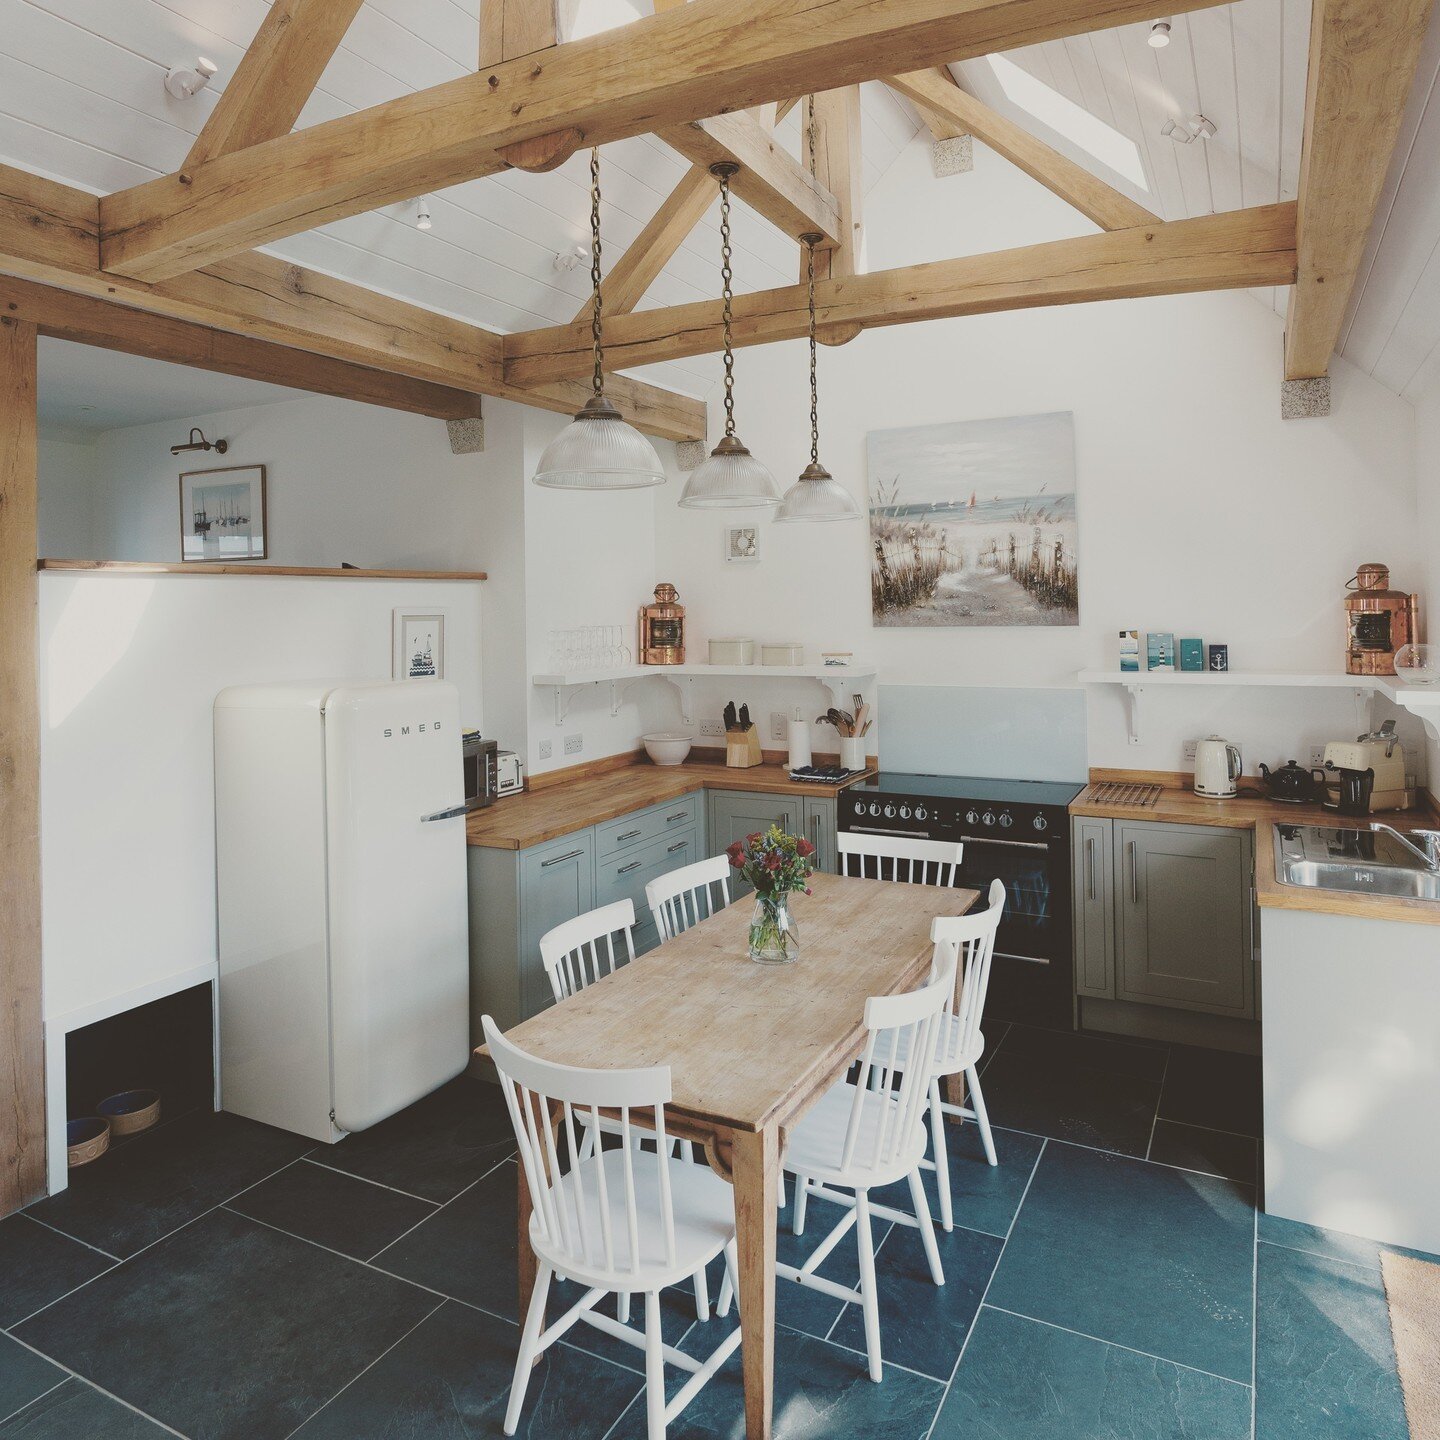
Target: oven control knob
<point>988,818</point>
<point>904,812</point>
<point>1006,819</point>
<point>921,812</point>
<point>1040,823</point>
<point>889,812</point>
<point>971,818</point>
<point>874,807</point>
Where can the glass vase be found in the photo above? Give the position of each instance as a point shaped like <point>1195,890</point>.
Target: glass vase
<point>774,936</point>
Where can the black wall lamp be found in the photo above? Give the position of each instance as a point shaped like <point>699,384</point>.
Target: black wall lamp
<point>218,446</point>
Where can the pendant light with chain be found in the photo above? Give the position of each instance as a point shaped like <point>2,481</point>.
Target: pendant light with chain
<point>598,450</point>
<point>816,495</point>
<point>732,478</point>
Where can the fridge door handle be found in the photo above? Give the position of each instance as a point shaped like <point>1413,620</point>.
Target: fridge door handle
<point>453,813</point>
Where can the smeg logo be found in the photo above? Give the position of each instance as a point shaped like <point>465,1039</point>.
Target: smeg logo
<point>392,732</point>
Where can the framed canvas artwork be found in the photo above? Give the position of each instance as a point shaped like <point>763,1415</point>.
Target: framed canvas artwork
<point>418,645</point>
<point>974,523</point>
<point>222,514</point>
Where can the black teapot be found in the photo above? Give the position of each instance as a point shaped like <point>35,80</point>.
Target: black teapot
<point>1294,784</point>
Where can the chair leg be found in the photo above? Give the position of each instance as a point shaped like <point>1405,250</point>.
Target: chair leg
<point>977,1100</point>
<point>728,1284</point>
<point>654,1369</point>
<point>869,1300</point>
<point>927,1230</point>
<point>702,1295</point>
<point>587,1143</point>
<point>942,1156</point>
<point>622,1307</point>
<point>802,1194</point>
<point>534,1323</point>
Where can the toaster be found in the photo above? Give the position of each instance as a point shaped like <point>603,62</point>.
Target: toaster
<point>509,772</point>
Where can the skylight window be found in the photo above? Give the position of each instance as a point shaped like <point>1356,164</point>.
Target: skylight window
<point>1072,121</point>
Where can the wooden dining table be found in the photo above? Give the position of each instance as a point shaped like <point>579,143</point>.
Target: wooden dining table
<point>750,1049</point>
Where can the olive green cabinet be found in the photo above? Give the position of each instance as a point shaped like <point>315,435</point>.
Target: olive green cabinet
<point>1165,915</point>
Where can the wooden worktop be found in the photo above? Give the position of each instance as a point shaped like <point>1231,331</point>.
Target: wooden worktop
<point>515,822</point>
<point>1253,810</point>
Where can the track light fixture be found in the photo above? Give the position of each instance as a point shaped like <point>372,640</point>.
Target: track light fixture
<point>1159,34</point>
<point>1183,132</point>
<point>183,81</point>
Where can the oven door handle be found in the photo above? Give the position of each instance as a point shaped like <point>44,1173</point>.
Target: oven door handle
<point>996,840</point>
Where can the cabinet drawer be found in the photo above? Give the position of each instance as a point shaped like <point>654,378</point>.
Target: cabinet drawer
<point>624,876</point>
<point>644,826</point>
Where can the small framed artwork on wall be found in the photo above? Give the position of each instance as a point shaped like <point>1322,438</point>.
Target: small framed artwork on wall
<point>222,514</point>
<point>418,645</point>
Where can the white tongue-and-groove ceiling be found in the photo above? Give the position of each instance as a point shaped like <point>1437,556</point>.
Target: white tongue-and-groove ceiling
<point>82,99</point>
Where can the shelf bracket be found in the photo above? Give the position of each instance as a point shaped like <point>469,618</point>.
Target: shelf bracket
<point>843,686</point>
<point>617,693</point>
<point>1133,695</point>
<point>684,690</point>
<point>564,699</point>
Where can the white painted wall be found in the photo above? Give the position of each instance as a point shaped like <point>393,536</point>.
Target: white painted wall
<point>1201,512</point>
<point>66,521</point>
<point>1427,480</point>
<point>129,669</point>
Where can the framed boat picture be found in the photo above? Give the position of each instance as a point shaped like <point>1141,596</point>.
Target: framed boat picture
<point>222,514</point>
<point>417,639</point>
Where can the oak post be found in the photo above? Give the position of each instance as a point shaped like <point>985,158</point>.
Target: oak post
<point>756,1161</point>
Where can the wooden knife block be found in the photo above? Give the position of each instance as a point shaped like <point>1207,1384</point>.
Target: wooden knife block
<point>742,748</point>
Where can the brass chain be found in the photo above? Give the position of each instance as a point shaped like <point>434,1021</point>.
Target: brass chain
<point>810,243</point>
<point>726,276</point>
<point>596,327</point>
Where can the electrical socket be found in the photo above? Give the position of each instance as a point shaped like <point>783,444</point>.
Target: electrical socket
<point>574,744</point>
<point>710,729</point>
<point>1317,757</point>
<point>779,726</point>
<point>1190,749</point>
<point>547,749</point>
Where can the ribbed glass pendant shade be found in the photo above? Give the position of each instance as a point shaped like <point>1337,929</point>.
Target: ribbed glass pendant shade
<point>817,495</point>
<point>731,478</point>
<point>597,450</point>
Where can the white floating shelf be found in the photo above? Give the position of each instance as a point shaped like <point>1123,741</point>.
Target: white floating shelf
<point>838,679</point>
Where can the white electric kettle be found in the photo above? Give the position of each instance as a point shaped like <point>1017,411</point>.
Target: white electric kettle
<point>1217,767</point>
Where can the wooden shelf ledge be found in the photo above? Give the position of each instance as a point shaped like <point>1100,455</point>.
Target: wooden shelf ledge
<point>201,567</point>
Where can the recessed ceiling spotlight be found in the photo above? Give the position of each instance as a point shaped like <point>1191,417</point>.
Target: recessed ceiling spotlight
<point>568,260</point>
<point>1159,34</point>
<point>183,81</point>
<point>422,214</point>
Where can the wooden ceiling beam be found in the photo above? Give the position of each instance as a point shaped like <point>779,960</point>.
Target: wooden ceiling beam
<point>651,250</point>
<point>510,29</point>
<point>64,315</point>
<point>50,233</point>
<point>939,125</point>
<point>1363,58</point>
<point>837,168</point>
<point>1229,251</point>
<point>770,181</point>
<point>706,58</point>
<point>1074,184</point>
<point>275,77</point>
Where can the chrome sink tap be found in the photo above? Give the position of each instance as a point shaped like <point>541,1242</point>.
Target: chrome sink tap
<point>1428,857</point>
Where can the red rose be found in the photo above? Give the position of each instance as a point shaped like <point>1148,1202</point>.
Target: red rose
<point>773,861</point>
<point>804,847</point>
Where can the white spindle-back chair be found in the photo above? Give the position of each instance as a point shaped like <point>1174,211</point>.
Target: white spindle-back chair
<point>623,1221</point>
<point>684,897</point>
<point>580,951</point>
<point>863,1136</point>
<point>917,862</point>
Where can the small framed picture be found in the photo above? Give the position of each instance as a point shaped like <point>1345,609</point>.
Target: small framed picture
<point>742,544</point>
<point>222,514</point>
<point>418,645</point>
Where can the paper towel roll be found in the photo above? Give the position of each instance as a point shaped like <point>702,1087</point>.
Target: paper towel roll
<point>799,744</point>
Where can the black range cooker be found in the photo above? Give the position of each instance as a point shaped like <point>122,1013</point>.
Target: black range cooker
<point>1016,830</point>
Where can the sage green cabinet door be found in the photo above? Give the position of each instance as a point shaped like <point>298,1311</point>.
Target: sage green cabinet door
<point>557,883</point>
<point>1184,917</point>
<point>734,814</point>
<point>625,876</point>
<point>818,813</point>
<point>1091,856</point>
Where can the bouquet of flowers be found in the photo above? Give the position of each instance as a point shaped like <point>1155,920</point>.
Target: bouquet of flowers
<point>775,864</point>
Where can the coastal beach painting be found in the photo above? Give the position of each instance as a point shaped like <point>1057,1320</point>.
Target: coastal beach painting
<point>974,523</point>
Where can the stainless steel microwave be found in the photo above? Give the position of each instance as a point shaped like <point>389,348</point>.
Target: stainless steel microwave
<point>482,783</point>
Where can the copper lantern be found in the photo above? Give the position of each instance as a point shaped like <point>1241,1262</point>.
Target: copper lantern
<point>1378,621</point>
<point>662,628</point>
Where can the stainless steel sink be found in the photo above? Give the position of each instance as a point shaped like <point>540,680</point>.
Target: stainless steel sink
<point>1370,859</point>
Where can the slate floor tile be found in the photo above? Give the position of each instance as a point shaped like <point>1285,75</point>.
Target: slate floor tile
<point>449,1379</point>
<point>129,1199</point>
<point>333,1209</point>
<point>1324,1359</point>
<point>1143,1059</point>
<point>1067,1098</point>
<point>24,1376</point>
<point>228,1330</point>
<point>1333,1244</point>
<point>1021,1380</point>
<point>923,1326</point>
<point>1213,1152</point>
<point>37,1265</point>
<point>435,1147</point>
<point>985,1197</point>
<point>1155,1259</point>
<point>820,1394</point>
<point>1213,1087</point>
<point>75,1411</point>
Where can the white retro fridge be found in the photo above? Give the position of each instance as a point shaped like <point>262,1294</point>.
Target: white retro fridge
<point>343,941</point>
